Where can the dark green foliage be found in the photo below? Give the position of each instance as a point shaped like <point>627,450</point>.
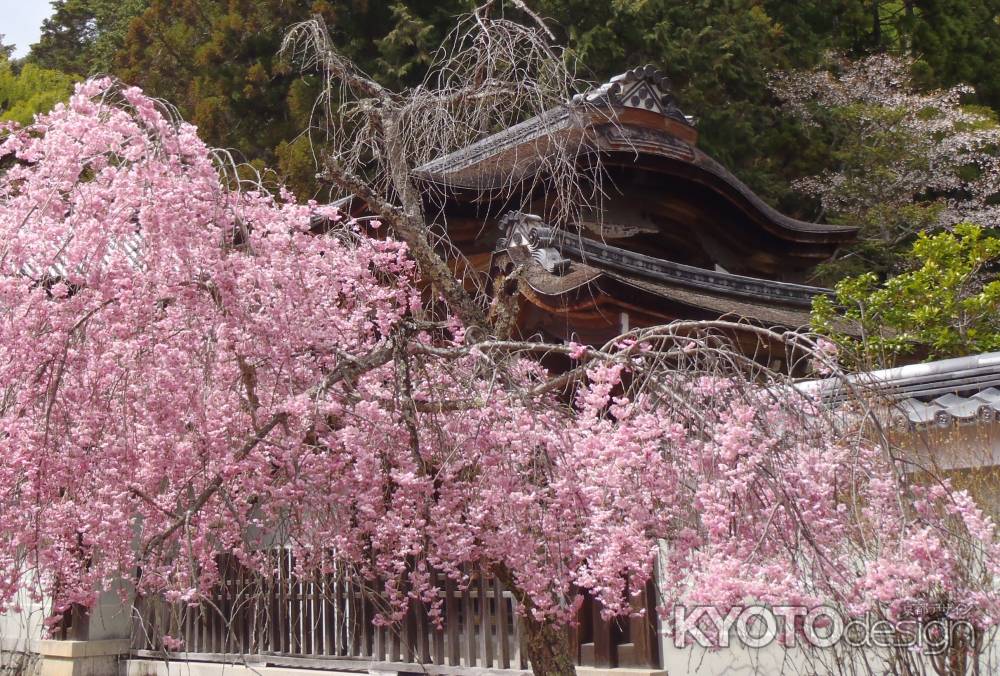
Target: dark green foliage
<point>960,42</point>
<point>219,62</point>
<point>718,54</point>
<point>84,36</point>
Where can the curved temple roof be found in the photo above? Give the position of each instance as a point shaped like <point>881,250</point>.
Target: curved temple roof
<point>559,264</point>
<point>603,255</point>
<point>634,114</point>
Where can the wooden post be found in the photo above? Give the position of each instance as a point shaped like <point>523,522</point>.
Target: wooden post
<point>643,629</point>
<point>604,649</point>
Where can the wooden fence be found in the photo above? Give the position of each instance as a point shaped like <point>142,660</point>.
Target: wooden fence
<point>327,622</point>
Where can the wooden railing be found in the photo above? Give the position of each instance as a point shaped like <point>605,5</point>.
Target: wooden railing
<point>327,621</point>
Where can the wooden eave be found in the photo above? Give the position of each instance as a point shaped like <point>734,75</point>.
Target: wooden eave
<point>492,167</point>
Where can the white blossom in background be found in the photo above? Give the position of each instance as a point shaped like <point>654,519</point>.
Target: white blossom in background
<point>895,147</point>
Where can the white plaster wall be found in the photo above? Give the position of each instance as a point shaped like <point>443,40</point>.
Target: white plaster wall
<point>20,631</point>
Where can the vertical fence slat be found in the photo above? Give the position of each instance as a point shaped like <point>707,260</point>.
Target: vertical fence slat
<point>205,622</point>
<point>451,627</point>
<point>186,622</point>
<point>289,632</point>
<point>274,621</point>
<point>316,613</point>
<point>239,643</point>
<point>226,618</point>
<point>326,610</point>
<point>299,592</point>
<point>469,642</point>
<point>394,631</point>
<point>261,607</point>
<point>381,634</point>
<point>409,630</point>
<point>367,614</point>
<point>305,612</point>
<point>294,609</point>
<point>354,632</point>
<point>278,595</point>
<point>151,624</point>
<point>340,597</point>
<point>378,651</point>
<point>438,648</point>
<point>351,630</point>
<point>224,611</point>
<point>503,638</point>
<point>423,638</point>
<point>485,628</point>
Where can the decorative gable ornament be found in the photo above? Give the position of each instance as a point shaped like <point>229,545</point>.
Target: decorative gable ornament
<point>523,241</point>
<point>645,88</point>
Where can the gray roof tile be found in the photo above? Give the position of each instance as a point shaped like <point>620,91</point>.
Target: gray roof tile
<point>963,389</point>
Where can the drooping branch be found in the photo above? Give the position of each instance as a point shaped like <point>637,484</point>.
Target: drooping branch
<point>411,229</point>
<point>489,74</point>
<point>351,369</point>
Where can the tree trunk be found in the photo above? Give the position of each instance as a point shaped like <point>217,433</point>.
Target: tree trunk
<point>548,648</point>
<point>546,644</point>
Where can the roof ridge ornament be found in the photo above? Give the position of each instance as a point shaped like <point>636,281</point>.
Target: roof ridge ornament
<point>524,240</point>
<point>645,87</point>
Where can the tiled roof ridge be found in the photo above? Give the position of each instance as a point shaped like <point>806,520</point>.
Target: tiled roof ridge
<point>964,389</point>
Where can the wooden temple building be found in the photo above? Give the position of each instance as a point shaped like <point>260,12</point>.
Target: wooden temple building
<point>679,236</point>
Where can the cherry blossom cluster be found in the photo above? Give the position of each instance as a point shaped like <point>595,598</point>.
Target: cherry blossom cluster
<point>186,369</point>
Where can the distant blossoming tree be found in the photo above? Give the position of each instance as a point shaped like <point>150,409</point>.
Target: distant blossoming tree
<point>902,159</point>
<point>189,368</point>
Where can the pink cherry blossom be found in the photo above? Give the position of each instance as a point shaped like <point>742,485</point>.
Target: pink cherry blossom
<point>187,369</point>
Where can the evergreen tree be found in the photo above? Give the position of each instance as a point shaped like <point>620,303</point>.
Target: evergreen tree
<point>960,42</point>
<point>217,60</point>
<point>83,36</point>
<point>718,54</point>
<point>219,63</point>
